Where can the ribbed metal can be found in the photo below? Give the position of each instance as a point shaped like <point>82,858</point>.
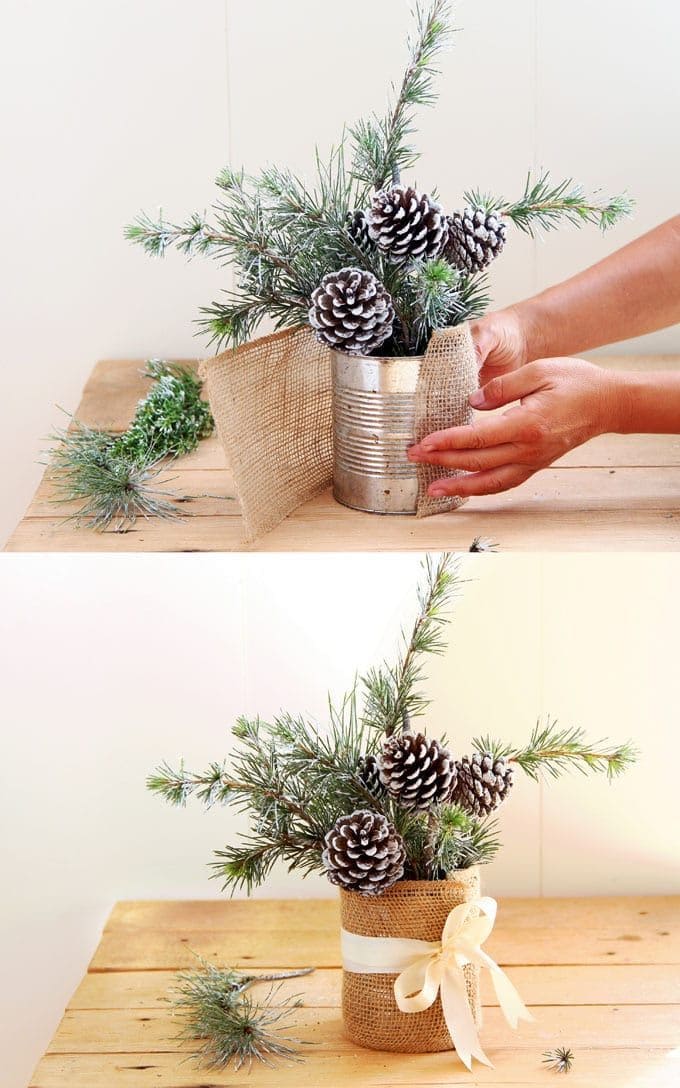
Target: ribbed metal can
<point>373,426</point>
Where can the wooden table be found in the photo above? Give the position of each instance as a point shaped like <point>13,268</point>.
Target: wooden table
<point>614,493</point>
<point>601,976</point>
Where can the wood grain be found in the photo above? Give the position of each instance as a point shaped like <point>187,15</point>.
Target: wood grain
<point>601,976</point>
<point>618,492</point>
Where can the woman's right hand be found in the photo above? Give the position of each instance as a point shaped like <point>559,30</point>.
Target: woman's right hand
<point>501,342</point>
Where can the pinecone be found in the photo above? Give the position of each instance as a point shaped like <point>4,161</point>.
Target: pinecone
<point>357,228</point>
<point>352,311</point>
<point>475,238</point>
<point>416,771</point>
<point>406,225</point>
<point>370,775</point>
<point>483,782</point>
<point>364,853</point>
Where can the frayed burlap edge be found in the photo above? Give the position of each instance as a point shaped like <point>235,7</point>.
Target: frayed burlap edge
<point>410,908</point>
<point>448,375</point>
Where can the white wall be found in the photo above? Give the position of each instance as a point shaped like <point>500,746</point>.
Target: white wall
<point>122,104</point>
<point>109,667</point>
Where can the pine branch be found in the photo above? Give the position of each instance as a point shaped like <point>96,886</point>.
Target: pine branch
<point>232,1025</point>
<point>544,205</point>
<point>115,476</point>
<point>391,691</point>
<point>115,488</point>
<point>554,751</point>
<point>381,145</point>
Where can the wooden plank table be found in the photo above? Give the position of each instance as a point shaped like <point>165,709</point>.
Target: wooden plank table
<point>601,976</point>
<point>618,492</point>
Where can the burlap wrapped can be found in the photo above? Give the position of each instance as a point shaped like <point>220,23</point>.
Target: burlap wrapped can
<point>415,909</point>
<point>272,403</point>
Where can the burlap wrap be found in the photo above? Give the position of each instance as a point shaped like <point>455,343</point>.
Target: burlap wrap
<point>271,400</point>
<point>410,908</point>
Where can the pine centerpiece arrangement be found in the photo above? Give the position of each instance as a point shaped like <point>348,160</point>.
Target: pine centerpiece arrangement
<point>369,260</point>
<point>381,272</point>
<point>391,815</point>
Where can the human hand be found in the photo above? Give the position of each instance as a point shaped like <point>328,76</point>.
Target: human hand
<point>563,403</point>
<point>501,342</point>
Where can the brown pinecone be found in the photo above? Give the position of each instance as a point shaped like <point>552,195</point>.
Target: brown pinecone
<point>483,782</point>
<point>475,239</point>
<point>407,225</point>
<point>364,853</point>
<point>352,311</point>
<point>416,771</point>
<point>370,775</point>
<point>357,228</point>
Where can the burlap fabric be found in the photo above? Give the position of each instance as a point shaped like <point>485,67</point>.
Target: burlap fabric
<point>410,908</point>
<point>271,400</point>
<point>448,375</point>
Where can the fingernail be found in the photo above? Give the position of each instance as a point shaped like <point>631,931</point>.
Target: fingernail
<point>437,492</point>
<point>477,398</point>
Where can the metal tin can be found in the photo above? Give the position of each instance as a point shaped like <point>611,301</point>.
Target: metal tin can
<point>373,426</point>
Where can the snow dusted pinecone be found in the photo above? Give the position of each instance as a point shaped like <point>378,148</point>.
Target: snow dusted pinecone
<point>370,775</point>
<point>416,771</point>
<point>364,853</point>
<point>407,225</point>
<point>483,782</point>
<point>475,238</point>
<point>357,228</point>
<point>352,311</point>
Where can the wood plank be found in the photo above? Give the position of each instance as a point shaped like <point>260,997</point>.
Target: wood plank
<point>618,984</point>
<point>625,1067</point>
<point>148,1031</point>
<point>629,509</point>
<point>619,492</point>
<point>563,931</point>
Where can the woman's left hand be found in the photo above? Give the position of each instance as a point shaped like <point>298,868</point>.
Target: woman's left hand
<point>562,403</point>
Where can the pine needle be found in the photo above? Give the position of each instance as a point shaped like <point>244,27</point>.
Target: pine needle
<point>559,1060</point>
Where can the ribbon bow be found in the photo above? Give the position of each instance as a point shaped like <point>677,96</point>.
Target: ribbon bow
<point>428,967</point>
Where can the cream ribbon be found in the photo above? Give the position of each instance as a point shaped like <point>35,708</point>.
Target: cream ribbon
<point>428,967</point>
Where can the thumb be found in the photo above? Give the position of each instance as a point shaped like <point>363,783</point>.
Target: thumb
<point>506,388</point>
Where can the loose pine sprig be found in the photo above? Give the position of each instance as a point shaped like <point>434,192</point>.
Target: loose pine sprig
<point>553,750</point>
<point>116,476</point>
<point>115,488</point>
<point>559,1060</point>
<point>382,145</point>
<point>391,692</point>
<point>232,1026</point>
<point>544,205</point>
<point>172,419</point>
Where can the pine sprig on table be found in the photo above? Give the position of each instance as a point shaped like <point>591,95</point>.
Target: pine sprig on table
<point>382,145</point>
<point>115,488</point>
<point>116,477</point>
<point>554,750</point>
<point>232,1026</point>
<point>391,692</point>
<point>545,204</point>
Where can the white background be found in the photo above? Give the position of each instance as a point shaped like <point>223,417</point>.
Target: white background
<point>108,667</point>
<point>118,105</point>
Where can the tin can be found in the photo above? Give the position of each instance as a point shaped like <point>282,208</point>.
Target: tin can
<point>373,426</point>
